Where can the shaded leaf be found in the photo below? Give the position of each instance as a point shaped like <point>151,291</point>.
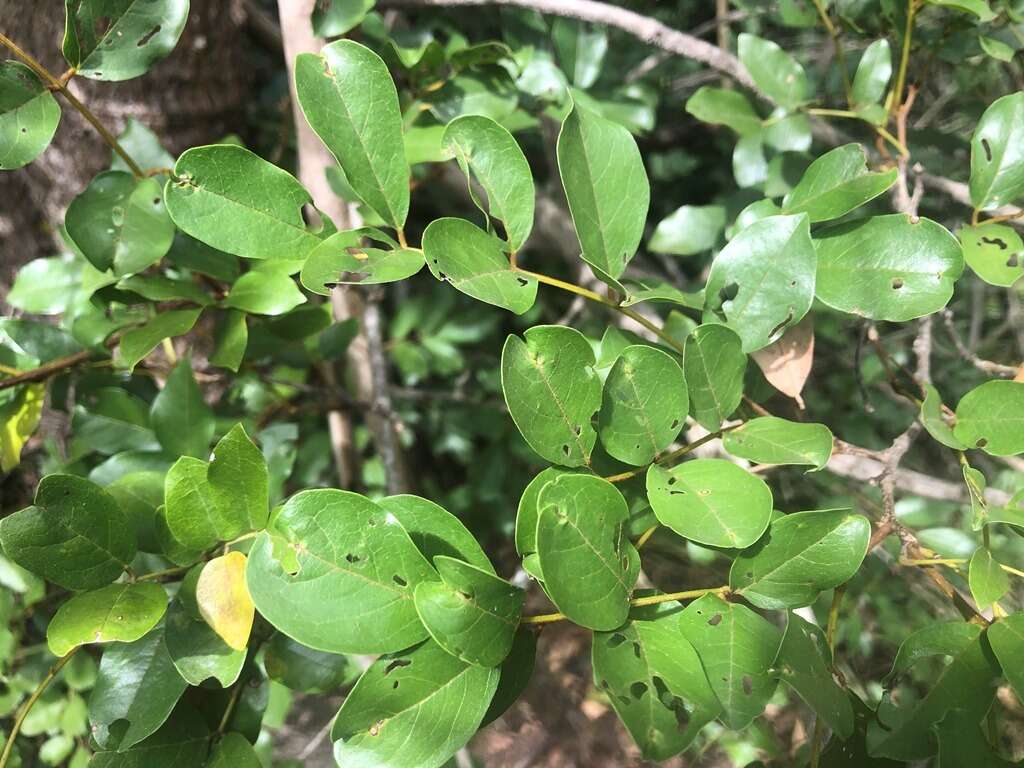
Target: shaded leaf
<point>182,420</point>
<point>988,581</point>
<point>29,116</point>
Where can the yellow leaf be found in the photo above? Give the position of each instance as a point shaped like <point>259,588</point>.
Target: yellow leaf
<point>18,421</point>
<point>224,600</point>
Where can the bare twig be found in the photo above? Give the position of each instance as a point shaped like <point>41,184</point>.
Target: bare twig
<point>985,366</point>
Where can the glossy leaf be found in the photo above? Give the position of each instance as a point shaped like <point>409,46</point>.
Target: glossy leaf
<point>183,740</point>
<point>29,115</point>
<point>771,440</point>
<point>690,229</point>
<point>352,591</point>
<point>644,405</point>
<point>529,510</point>
<point>349,99</point>
<point>802,555</point>
<point>774,71</point>
<point>342,259</point>
<point>75,535</point>
<point>710,501</point>
<point>762,282</point>
<point>935,422</point>
<point>473,262</point>
<point>991,417</point>
<point>414,709</point>
<point>589,564</point>
<point>654,681</point>
<point>182,420</point>
<point>995,252</point>
<point>736,648</point>
<point>19,419</point>
<point>1007,638</point>
<point>887,267</point>
<point>435,531</point>
<point>714,365</point>
<point>988,581</point>
<point>230,341</point>
<point>336,17</point>
<point>233,751</point>
<point>224,601</point>
<point>724,107</point>
<point>118,612</point>
<point>45,286</point>
<point>237,202</point>
<point>581,49</point>
<point>552,392</point>
<point>265,290</point>
<point>606,185</point>
<point>836,183</point>
<point>303,669</point>
<point>139,342</point>
<point>873,73</point>
<point>470,613</point>
<point>978,8</point>
<point>195,517</point>
<point>238,477</point>
<point>120,223</point>
<point>997,163</point>
<point>485,150</point>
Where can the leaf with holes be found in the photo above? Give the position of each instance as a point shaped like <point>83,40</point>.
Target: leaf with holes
<point>120,223</point>
<point>75,535</point>
<point>803,664</point>
<point>588,562</point>
<point>836,183</point>
<point>552,392</point>
<point>29,116</point>
<point>470,613</point>
<point>736,649</point>
<point>435,531</point>
<point>774,71</point>
<point>995,252</point>
<point>724,107</point>
<point>997,162</point>
<point>357,568</point>
<point>473,262</point>
<point>487,152</point>
<point>644,405</point>
<point>121,39</point>
<point>1007,638</point>
<point>414,709</point>
<point>888,267</point>
<point>117,612</point>
<point>233,200</point>
<point>762,282</point>
<point>349,99</point>
<point>710,501</point>
<point>802,555</point>
<point>987,579</point>
<point>342,259</point>
<point>714,365</point>
<point>607,189</point>
<point>771,440</point>
<point>991,417</point>
<point>655,682</point>
<point>873,73</point>
<point>182,420</point>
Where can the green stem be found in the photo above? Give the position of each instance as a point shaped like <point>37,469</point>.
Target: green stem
<point>833,32</point>
<point>901,76</point>
<point>548,618</point>
<point>19,720</point>
<point>668,458</point>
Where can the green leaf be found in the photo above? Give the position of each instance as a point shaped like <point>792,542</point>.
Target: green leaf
<point>75,536</point>
<point>487,152</point>
<point>342,259</point>
<point>644,405</point>
<point>607,189</point>
<point>935,422</point>
<point>529,511</point>
<point>774,71</point>
<point>197,652</point>
<point>237,202</point>
<point>336,17</point>
<point>654,681</point>
<point>962,742</point>
<point>749,165</point>
<point>191,254</point>
<point>195,517</point>
<point>978,8</point>
<point>473,262</point>
<point>770,440</point>
<point>182,741</point>
<point>736,649</point>
<point>997,166</point>
<point>304,669</point>
<point>714,365</point>
<point>137,683</point>
<point>121,39</point>
<point>552,392</point>
<point>138,494</point>
<point>785,133</point>
<point>143,146</point>
<point>580,48</point>
<point>991,417</point>
<point>353,590</point>
<point>233,751</point>
<point>995,252</point>
<point>639,292</point>
<point>589,564</point>
<point>803,663</point>
<point>724,107</point>
<point>976,483</point>
<point>873,73</point>
<point>516,671</point>
<point>435,531</point>
<point>118,612</point>
<point>966,682</point>
<point>265,290</point>
<point>349,99</point>
<point>120,223</point>
<point>29,116</point>
<point>182,420</point>
<point>710,501</point>
<point>988,581</point>
<point>1007,638</point>
<point>762,282</point>
<point>887,267</point>
<point>996,48</point>
<point>230,341</point>
<point>160,288</point>
<point>803,554</point>
<point>836,183</point>
<point>470,613</point>
<point>139,342</point>
<point>46,286</point>
<point>414,709</point>
<point>239,479</point>
<point>690,229</point>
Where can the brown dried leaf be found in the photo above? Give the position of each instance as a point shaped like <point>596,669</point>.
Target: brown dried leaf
<point>787,363</point>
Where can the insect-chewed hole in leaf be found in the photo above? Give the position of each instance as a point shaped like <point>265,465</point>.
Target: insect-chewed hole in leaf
<point>24,130</point>
<point>1014,260</point>
<point>982,442</point>
<point>603,685</point>
<point>897,283</point>
<point>636,650</point>
<point>988,150</point>
<point>748,685</point>
<point>148,36</point>
<point>465,595</point>
<point>523,282</point>
<point>638,689</point>
<point>375,728</point>
<point>729,292</point>
<point>394,685</point>
<point>616,640</point>
<point>625,562</point>
<point>578,429</point>
<point>998,241</point>
<point>672,481</point>
<point>371,522</point>
<point>675,424</point>
<point>399,581</point>
<point>396,664</point>
<point>715,620</point>
<point>352,558</point>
